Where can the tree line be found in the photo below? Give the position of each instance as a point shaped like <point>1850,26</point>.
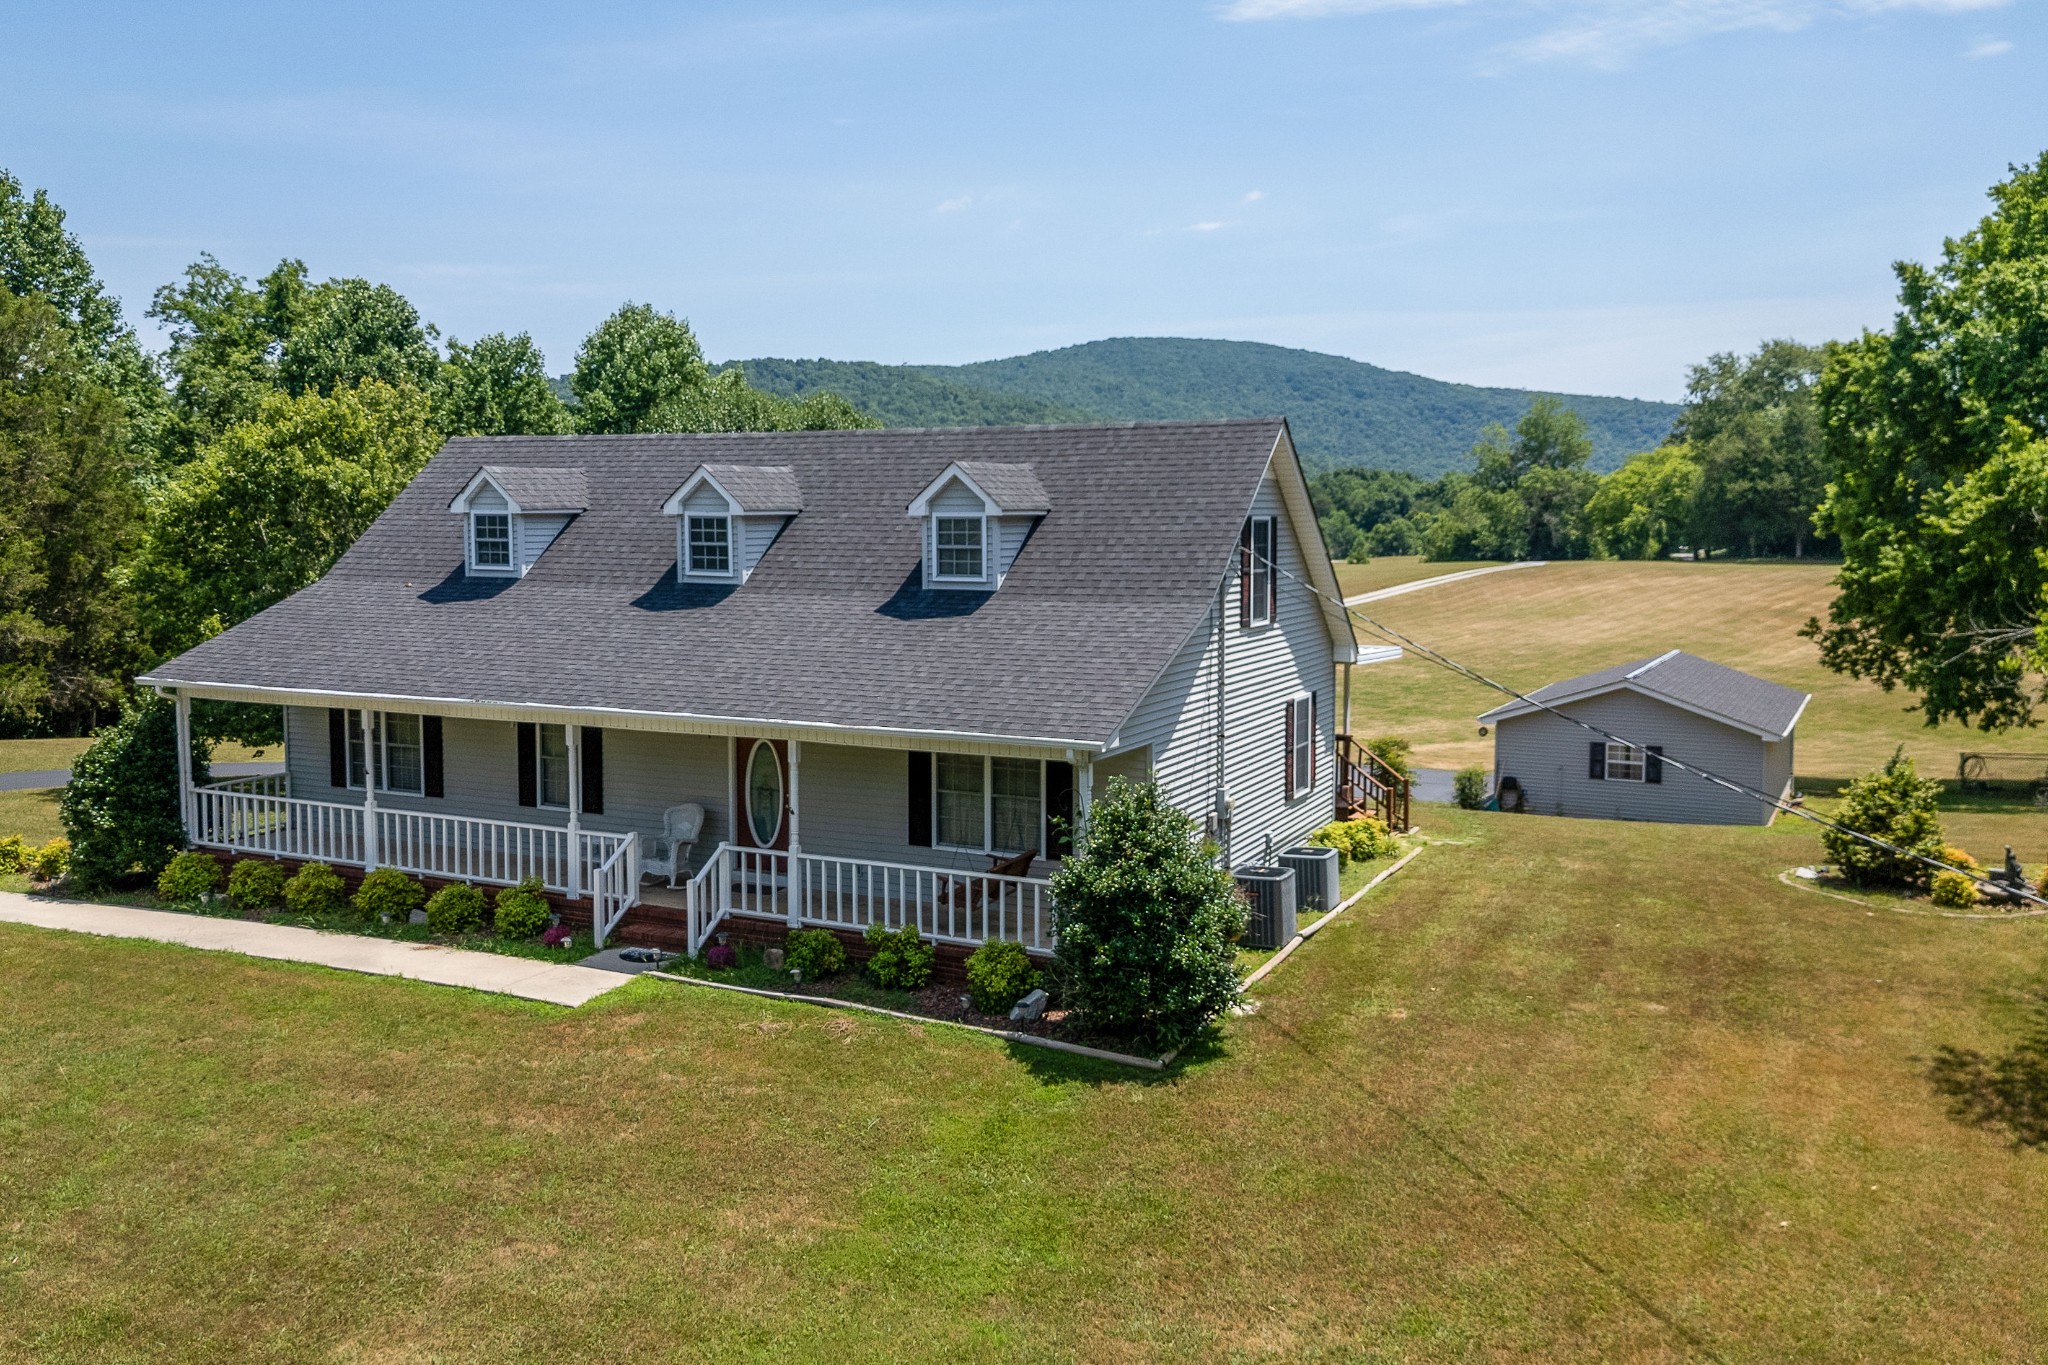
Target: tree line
<point>154,500</point>
<point>1742,472</point>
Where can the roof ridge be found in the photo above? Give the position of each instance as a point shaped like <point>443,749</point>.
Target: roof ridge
<point>1665,657</point>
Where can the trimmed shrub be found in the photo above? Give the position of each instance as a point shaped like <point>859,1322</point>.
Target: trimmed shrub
<point>1960,857</point>
<point>1954,891</point>
<point>255,884</point>
<point>999,974</point>
<point>187,877</point>
<point>13,854</point>
<point>1895,805</point>
<point>457,909</point>
<point>1393,751</point>
<point>1470,786</point>
<point>51,861</point>
<point>816,953</point>
<point>121,806</point>
<point>522,911</point>
<point>1359,840</point>
<point>1148,925</point>
<point>389,892</point>
<point>316,889</point>
<point>902,961</point>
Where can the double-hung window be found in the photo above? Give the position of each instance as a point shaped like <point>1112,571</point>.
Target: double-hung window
<point>1625,763</point>
<point>1258,584</point>
<point>490,540</point>
<point>394,751</point>
<point>710,545</point>
<point>957,550</point>
<point>551,756</point>
<point>990,805</point>
<point>1301,745</point>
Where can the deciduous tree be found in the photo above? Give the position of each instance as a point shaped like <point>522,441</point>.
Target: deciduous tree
<point>1643,509</point>
<point>346,331</point>
<point>498,387</point>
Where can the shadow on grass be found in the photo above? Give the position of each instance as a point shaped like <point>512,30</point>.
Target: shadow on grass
<point>2000,799</point>
<point>2007,1093</point>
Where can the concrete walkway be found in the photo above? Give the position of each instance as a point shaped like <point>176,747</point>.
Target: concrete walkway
<point>554,983</point>
<point>1402,589</point>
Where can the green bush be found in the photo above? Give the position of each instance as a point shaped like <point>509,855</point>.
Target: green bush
<point>1955,891</point>
<point>999,974</point>
<point>816,953</point>
<point>316,889</point>
<point>1359,840</point>
<point>13,854</point>
<point>902,961</point>
<point>255,884</point>
<point>51,861</point>
<point>1148,925</point>
<point>1470,786</point>
<point>187,877</point>
<point>1393,751</point>
<point>522,910</point>
<point>457,909</point>
<point>1895,805</point>
<point>389,893</point>
<point>121,807</point>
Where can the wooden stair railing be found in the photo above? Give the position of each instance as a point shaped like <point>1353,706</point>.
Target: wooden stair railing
<point>1366,785</point>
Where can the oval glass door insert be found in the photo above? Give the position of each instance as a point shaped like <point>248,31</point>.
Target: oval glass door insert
<point>764,794</point>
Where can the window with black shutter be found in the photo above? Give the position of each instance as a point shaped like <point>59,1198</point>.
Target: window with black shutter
<point>529,765</point>
<point>920,799</point>
<point>592,763</point>
<point>1653,763</point>
<point>1596,760</point>
<point>430,757</point>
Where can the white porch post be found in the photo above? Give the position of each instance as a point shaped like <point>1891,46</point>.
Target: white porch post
<point>572,740</point>
<point>369,790</point>
<point>186,798</point>
<point>796,843</point>
<point>1084,795</point>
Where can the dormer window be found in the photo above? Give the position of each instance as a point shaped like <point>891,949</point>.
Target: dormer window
<point>977,518</point>
<point>727,515</point>
<point>513,513</point>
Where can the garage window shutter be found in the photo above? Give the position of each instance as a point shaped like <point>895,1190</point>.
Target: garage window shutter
<point>1653,763</point>
<point>337,747</point>
<point>920,799</point>
<point>593,770</point>
<point>529,765</point>
<point>1596,760</point>
<point>431,783</point>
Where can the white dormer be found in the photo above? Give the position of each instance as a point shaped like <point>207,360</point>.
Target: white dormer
<point>976,518</point>
<point>511,514</point>
<point>727,515</point>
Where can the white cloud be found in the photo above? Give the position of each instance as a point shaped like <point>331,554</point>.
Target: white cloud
<point>1610,33</point>
<point>1990,47</point>
<point>954,205</point>
<point>1252,196</point>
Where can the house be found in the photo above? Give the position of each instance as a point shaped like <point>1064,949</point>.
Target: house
<point>1715,717</point>
<point>883,672</point>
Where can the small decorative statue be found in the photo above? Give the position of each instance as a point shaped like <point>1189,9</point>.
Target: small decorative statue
<point>2010,879</point>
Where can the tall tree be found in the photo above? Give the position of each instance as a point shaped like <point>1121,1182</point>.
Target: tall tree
<point>1755,432</point>
<point>1644,509</point>
<point>225,340</point>
<point>637,360</point>
<point>1542,462</point>
<point>1937,432</point>
<point>268,507</point>
<point>350,330</point>
<point>498,387</point>
<point>69,519</point>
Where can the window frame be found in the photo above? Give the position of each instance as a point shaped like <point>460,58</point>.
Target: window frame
<point>1621,757</point>
<point>1301,757</point>
<point>687,550</point>
<point>542,762</point>
<point>987,844</point>
<point>359,763</point>
<point>511,564</point>
<point>980,524</point>
<point>1261,600</point>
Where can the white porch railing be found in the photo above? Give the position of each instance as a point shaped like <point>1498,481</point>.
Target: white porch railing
<point>429,844</point>
<point>948,906</point>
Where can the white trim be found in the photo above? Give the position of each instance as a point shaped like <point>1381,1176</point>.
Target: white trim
<point>1665,657</point>
<point>733,548</point>
<point>1515,710</point>
<point>747,795</point>
<point>375,737</point>
<point>540,781</point>
<point>511,567</point>
<point>460,502</point>
<point>701,477</point>
<point>920,506</point>
<point>1253,599</point>
<point>1301,514</point>
<point>960,578</point>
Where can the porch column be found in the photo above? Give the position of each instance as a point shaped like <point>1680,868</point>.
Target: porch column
<point>796,843</point>
<point>1347,699</point>
<point>186,798</point>
<point>369,790</point>
<point>572,739</point>
<point>1084,795</point>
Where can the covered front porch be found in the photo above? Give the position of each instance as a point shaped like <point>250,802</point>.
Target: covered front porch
<point>959,841</point>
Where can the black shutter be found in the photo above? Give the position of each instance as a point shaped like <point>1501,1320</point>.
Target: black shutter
<point>593,770</point>
<point>1288,751</point>
<point>920,799</point>
<point>1596,760</point>
<point>337,747</point>
<point>1244,575</point>
<point>1059,809</point>
<point>1272,602</point>
<point>1653,763</point>
<point>1315,741</point>
<point>529,766</point>
<point>430,756</point>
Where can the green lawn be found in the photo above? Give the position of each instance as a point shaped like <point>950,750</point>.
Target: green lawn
<point>1536,626</point>
<point>33,755</point>
<point>1561,1090</point>
<point>1390,571</point>
<point>31,814</point>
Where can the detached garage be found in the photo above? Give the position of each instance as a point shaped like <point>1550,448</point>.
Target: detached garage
<point>1713,716</point>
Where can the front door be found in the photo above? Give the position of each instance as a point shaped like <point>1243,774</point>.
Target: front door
<point>762,785</point>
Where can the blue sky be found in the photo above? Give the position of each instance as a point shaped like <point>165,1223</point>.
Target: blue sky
<point>1573,194</point>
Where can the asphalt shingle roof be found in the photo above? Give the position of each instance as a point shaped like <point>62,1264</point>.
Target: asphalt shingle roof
<point>541,489</point>
<point>1015,487</point>
<point>833,628</point>
<point>1729,694</point>
<point>760,488</point>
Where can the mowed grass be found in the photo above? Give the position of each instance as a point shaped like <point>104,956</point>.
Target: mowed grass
<point>1536,626</point>
<point>1561,1090</point>
<point>1392,570</point>
<point>36,755</point>
<point>31,814</point>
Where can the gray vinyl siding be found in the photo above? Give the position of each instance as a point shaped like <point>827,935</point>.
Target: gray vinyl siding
<point>955,500</point>
<point>756,535</point>
<point>535,535</point>
<point>1550,756</point>
<point>1136,764</point>
<point>1264,666</point>
<point>1010,534</point>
